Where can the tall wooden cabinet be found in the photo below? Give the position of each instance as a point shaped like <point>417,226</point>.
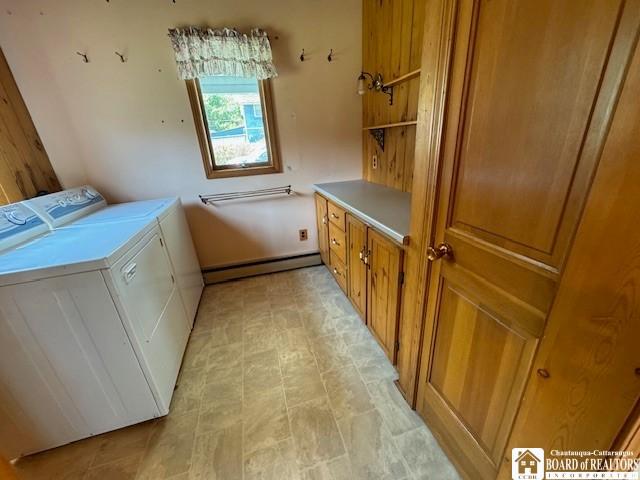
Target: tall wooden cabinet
<point>357,241</point>
<point>529,89</point>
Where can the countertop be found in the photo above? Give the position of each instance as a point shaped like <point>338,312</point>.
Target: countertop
<point>386,209</point>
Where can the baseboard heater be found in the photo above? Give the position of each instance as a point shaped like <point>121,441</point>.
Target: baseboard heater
<point>242,270</point>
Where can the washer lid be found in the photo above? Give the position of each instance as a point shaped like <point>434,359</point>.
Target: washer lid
<point>60,208</point>
<point>70,250</point>
<point>18,224</point>
<point>129,211</point>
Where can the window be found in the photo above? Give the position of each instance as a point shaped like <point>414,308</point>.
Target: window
<point>235,127</point>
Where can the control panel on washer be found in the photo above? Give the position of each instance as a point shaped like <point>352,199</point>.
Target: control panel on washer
<point>63,207</point>
<point>18,223</point>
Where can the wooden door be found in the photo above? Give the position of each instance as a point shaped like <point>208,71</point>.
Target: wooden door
<point>384,260</point>
<point>589,355</point>
<point>322,222</point>
<point>524,127</point>
<point>357,246</point>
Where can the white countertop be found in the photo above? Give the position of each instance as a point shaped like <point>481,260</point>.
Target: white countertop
<point>386,209</point>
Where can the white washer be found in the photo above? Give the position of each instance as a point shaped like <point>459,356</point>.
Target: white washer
<point>92,324</point>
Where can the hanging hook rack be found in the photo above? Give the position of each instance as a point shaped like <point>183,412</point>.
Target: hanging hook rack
<point>84,56</point>
<point>302,56</point>
<point>122,57</point>
<point>221,197</point>
<point>330,56</point>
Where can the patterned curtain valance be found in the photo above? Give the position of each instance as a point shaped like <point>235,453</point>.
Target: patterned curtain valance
<point>201,52</point>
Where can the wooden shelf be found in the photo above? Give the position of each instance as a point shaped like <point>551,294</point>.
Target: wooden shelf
<point>403,78</point>
<point>391,125</point>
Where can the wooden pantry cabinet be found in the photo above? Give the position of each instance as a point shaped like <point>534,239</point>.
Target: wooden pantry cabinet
<point>368,267</point>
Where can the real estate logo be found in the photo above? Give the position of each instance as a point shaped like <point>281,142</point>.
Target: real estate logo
<point>527,463</point>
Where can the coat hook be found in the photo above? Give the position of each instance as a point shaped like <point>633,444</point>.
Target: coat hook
<point>122,57</point>
<point>302,56</point>
<point>330,56</point>
<point>84,56</point>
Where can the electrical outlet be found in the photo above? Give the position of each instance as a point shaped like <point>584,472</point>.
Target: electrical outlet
<point>303,235</point>
<point>374,161</point>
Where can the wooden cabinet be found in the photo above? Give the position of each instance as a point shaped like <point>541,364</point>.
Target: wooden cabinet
<point>322,222</point>
<point>520,143</point>
<point>384,277</point>
<point>368,267</point>
<point>357,248</point>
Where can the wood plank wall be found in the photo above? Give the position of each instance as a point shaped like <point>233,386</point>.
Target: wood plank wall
<point>25,169</point>
<point>392,46</point>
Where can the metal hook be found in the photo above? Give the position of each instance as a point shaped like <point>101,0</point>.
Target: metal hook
<point>84,56</point>
<point>122,57</point>
<point>330,56</point>
<point>302,56</point>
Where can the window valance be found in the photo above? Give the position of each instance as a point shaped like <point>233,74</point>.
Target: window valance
<point>204,52</point>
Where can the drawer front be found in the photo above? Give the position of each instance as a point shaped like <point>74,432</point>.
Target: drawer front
<point>337,243</point>
<point>337,216</point>
<point>339,272</point>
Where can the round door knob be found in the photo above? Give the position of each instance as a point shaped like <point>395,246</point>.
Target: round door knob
<point>442,250</point>
<point>543,372</point>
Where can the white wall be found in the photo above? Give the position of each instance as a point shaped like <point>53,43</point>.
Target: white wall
<point>127,127</point>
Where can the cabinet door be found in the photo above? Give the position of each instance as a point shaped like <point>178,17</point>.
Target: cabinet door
<point>322,222</point>
<point>357,246</point>
<point>521,139</point>
<point>383,299</point>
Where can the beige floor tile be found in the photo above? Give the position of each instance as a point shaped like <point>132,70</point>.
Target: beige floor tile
<point>226,335</point>
<point>294,340</point>
<point>371,448</point>
<point>297,361</point>
<point>331,352</point>
<point>69,462</point>
<point>224,356</point>
<point>317,322</point>
<point>343,323</point>
<point>197,354</point>
<point>355,335</point>
<point>261,337</point>
<point>217,373</point>
<point>285,318</point>
<point>116,445</point>
<point>395,411</point>
<point>277,462</point>
<point>347,392</point>
<point>169,449</point>
<point>188,391</point>
<point>336,469</point>
<point>218,455</point>
<point>424,456</point>
<point>261,372</point>
<point>371,361</point>
<point>221,405</point>
<point>265,420</point>
<point>123,469</point>
<point>315,433</point>
<point>303,386</point>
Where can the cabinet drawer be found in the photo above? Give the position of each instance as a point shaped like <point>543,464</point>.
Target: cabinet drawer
<point>337,216</point>
<point>337,243</point>
<point>339,272</point>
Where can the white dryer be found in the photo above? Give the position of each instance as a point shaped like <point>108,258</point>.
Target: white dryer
<point>92,322</point>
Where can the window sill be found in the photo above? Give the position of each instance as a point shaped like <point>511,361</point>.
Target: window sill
<point>241,172</point>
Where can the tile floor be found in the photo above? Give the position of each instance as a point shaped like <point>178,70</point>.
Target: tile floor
<point>281,380</point>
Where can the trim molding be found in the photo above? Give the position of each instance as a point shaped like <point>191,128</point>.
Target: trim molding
<point>233,272</point>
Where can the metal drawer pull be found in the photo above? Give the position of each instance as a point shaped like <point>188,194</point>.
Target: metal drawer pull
<point>334,241</point>
<point>333,215</point>
<point>336,272</point>
<point>324,219</point>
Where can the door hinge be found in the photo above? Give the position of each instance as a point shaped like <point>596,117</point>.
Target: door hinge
<point>397,345</point>
<point>401,278</point>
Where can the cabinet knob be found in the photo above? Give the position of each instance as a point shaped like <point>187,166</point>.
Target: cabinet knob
<point>443,250</point>
<point>324,219</point>
<point>336,272</point>
<point>543,372</point>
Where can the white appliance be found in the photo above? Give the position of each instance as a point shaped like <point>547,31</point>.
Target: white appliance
<point>93,325</point>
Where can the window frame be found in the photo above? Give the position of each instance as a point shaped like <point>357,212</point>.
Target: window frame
<point>204,138</point>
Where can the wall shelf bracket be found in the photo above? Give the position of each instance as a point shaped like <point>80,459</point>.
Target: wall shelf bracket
<point>378,135</point>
